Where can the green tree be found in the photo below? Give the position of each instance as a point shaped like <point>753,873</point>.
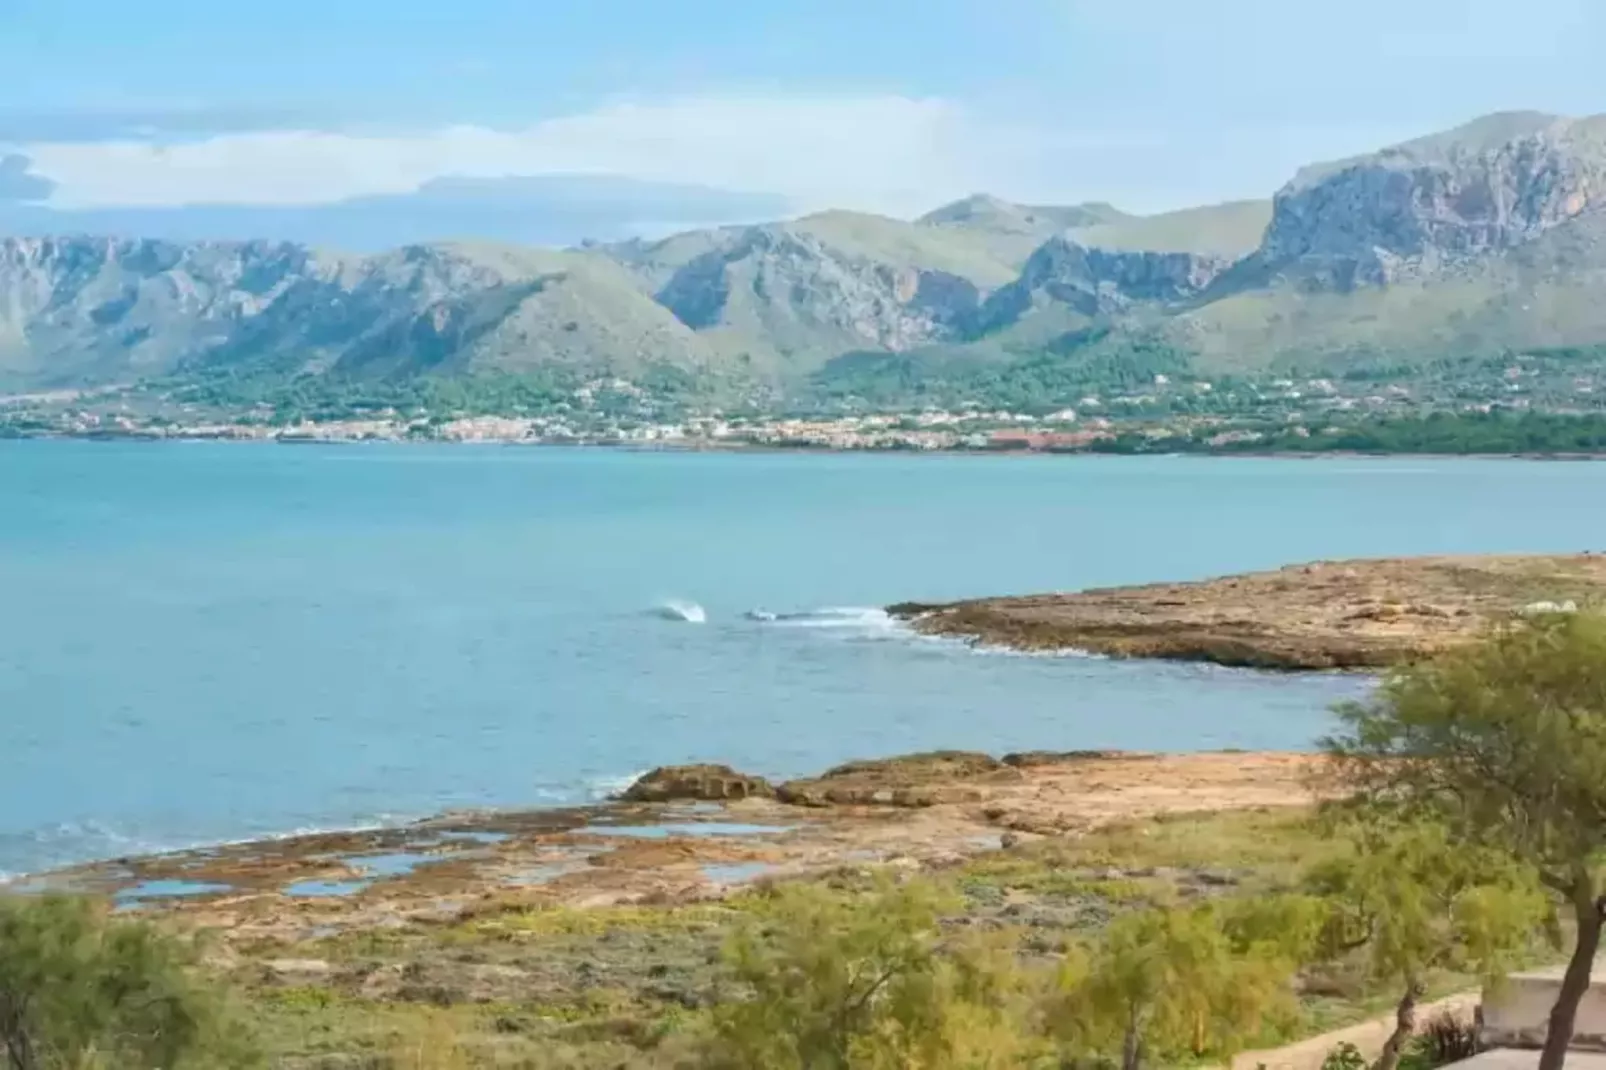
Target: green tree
<point>1178,983</point>
<point>82,990</point>
<point>1412,901</point>
<point>1505,742</point>
<point>835,981</point>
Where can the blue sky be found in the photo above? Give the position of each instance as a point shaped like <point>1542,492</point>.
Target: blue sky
<point>891,106</point>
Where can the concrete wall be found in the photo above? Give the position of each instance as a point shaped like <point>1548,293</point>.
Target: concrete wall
<point>1516,1014</point>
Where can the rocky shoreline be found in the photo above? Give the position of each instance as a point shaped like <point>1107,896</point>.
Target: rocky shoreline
<point>679,834</point>
<point>1358,615</point>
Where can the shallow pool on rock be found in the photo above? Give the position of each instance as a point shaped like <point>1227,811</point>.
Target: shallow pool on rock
<point>737,872</point>
<point>688,828</point>
<point>145,891</point>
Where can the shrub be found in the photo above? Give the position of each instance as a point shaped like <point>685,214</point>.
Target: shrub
<point>1447,1039</point>
<point>1175,984</point>
<point>81,989</point>
<point>833,982</point>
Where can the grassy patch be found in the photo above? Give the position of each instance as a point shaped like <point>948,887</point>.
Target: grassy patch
<point>630,987</point>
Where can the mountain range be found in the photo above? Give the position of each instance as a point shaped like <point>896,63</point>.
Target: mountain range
<point>1487,238</point>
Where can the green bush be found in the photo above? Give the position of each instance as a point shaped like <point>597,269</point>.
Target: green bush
<point>840,982</point>
<point>1178,984</point>
<point>1446,1040</point>
<point>80,989</point>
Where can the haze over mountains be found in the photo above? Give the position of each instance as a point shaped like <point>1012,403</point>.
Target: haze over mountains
<point>549,210</point>
<point>1484,238</point>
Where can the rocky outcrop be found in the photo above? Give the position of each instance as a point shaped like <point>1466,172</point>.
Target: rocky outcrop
<point>1095,282</point>
<point>797,293</point>
<point>706,783</point>
<point>1419,207</point>
<point>1034,759</point>
<point>911,780</point>
<point>77,311</point>
<point>1326,615</point>
<point>88,308</point>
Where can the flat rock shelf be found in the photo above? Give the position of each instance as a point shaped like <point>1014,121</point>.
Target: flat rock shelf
<point>1363,614</point>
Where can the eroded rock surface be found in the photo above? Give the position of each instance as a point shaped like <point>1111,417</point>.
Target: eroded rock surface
<point>956,805</point>
<point>708,783</point>
<point>1325,615</point>
<point>909,780</point>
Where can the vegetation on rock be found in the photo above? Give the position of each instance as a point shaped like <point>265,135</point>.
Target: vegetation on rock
<point>1379,267</point>
<point>1165,941</point>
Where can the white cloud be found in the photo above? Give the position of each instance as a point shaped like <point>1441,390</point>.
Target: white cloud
<point>892,154</point>
<point>885,153</point>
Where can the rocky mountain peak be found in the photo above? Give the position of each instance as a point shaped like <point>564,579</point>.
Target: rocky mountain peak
<point>1094,282</point>
<point>1488,186</point>
<point>786,283</point>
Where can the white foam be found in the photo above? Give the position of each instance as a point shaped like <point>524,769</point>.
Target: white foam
<point>602,788</point>
<point>676,609</point>
<point>862,617</point>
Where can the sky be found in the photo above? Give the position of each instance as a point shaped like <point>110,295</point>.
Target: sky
<point>881,105</point>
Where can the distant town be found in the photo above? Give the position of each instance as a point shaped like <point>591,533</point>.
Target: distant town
<point>1163,414</point>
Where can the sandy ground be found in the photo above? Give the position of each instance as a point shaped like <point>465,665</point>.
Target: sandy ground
<point>1368,1037</point>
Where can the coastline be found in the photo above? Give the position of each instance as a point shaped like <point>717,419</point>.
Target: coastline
<point>733,447</point>
<point>1358,615</point>
<point>680,834</point>
<point>527,933</point>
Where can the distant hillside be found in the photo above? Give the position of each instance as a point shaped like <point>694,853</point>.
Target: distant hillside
<point>1482,240</point>
<point>1487,238</point>
<point>793,295</point>
<point>76,311</point>
<point>1010,232</point>
<point>1230,230</point>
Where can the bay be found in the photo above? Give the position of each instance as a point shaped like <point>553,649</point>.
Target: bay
<point>206,642</point>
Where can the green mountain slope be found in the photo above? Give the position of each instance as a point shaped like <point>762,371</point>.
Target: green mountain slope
<point>789,296</point>
<point>1462,245</point>
<point>76,311</point>
<point>1478,240</point>
<point>1230,230</point>
<point>1011,232</point>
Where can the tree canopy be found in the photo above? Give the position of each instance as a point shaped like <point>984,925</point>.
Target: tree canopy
<point>1504,743</point>
<point>81,989</point>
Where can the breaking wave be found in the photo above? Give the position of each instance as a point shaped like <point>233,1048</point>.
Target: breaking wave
<point>675,609</point>
<point>602,788</point>
<point>861,617</point>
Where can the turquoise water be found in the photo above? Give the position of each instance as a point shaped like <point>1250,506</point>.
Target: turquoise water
<point>216,641</point>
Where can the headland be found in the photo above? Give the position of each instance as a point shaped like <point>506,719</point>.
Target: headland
<point>1360,614</point>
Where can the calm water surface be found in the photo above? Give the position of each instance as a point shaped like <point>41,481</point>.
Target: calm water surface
<point>207,642</point>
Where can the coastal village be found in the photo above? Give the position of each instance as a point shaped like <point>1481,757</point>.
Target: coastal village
<point>1196,410</point>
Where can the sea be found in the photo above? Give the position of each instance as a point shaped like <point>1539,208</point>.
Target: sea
<point>210,642</point>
